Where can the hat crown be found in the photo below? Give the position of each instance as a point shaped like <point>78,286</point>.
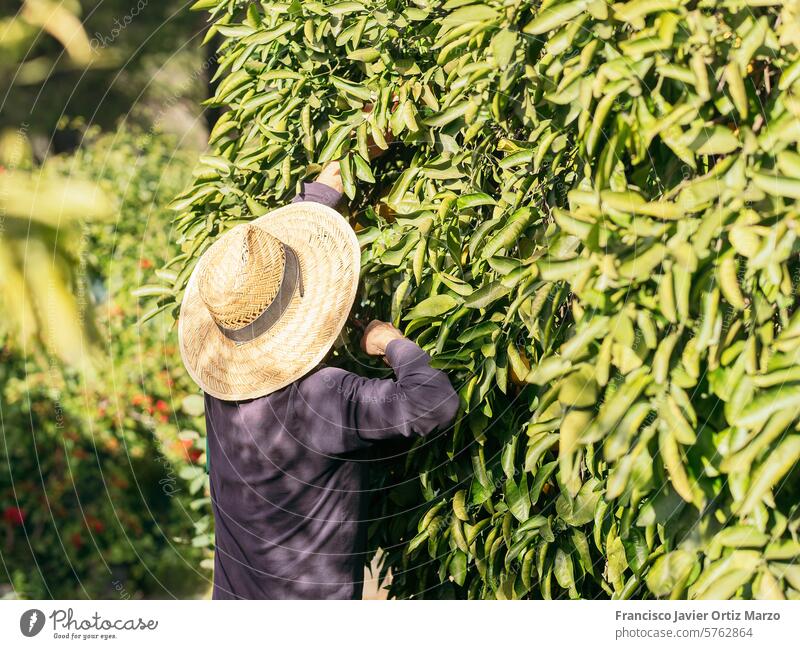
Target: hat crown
<point>241,275</point>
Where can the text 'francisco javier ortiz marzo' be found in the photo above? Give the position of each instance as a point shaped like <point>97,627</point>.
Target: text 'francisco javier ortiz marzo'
<point>695,616</point>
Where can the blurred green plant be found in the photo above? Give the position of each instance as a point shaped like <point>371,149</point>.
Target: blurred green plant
<point>42,214</point>
<point>41,285</point>
<point>589,219</point>
<point>101,61</point>
<point>102,485</point>
<point>102,488</point>
<point>30,61</point>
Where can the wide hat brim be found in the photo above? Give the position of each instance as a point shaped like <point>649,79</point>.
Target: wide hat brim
<point>329,256</point>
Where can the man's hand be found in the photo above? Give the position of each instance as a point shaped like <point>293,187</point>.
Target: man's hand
<point>377,337</point>
<point>331,176</point>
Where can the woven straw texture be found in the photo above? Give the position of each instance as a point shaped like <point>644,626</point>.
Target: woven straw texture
<point>240,274</point>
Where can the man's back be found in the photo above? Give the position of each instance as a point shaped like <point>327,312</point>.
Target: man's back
<point>287,474</point>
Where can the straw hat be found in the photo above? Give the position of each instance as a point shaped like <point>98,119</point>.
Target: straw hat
<point>267,300</point>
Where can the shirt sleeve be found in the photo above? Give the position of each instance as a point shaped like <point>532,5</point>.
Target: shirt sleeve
<point>318,193</point>
<point>351,412</point>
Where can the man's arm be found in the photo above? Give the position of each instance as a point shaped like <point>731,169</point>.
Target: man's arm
<point>361,411</point>
<point>418,402</point>
<point>326,189</point>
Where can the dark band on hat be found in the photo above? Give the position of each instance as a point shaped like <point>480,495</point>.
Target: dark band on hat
<point>291,280</point>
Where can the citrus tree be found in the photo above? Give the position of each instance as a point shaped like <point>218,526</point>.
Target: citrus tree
<point>588,216</point>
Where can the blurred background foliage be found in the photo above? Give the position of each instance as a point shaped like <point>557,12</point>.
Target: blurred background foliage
<point>102,483</point>
<point>98,60</point>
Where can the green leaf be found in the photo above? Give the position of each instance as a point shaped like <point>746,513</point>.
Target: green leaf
<point>518,498</point>
<point>458,567</point>
<point>716,140</point>
<point>723,578</point>
<point>768,402</point>
<point>580,510</point>
<point>478,331</point>
<point>564,572</point>
<point>554,16</point>
<point>336,139</point>
<point>152,290</point>
<point>670,571</point>
<point>486,295</point>
<point>503,46</point>
<point>431,307</point>
<point>474,200</point>
<point>509,233</point>
<point>770,472</point>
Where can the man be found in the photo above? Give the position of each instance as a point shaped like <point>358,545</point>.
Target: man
<point>285,437</point>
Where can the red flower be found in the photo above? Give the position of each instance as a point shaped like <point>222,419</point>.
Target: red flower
<point>145,263</point>
<point>162,406</point>
<point>137,399</point>
<point>96,524</point>
<point>14,515</point>
<point>194,455</point>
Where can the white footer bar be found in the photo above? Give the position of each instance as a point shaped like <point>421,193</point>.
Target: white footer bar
<point>401,625</point>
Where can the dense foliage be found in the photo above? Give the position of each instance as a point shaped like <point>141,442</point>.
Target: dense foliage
<point>102,484</point>
<point>588,216</point>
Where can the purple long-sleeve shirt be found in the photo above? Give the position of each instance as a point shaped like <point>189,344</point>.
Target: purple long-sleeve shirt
<point>287,470</point>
